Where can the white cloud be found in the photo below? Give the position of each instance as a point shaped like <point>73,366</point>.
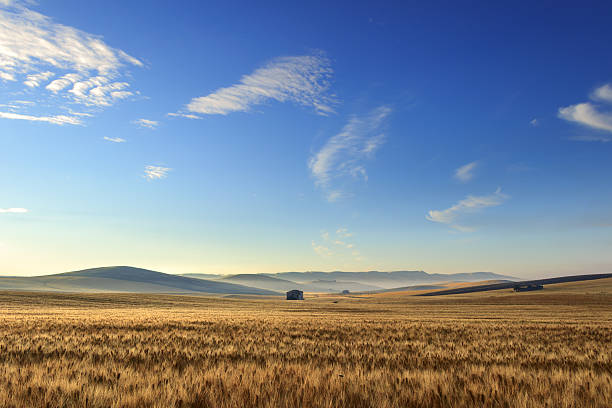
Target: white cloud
<point>469,204</point>
<point>56,120</point>
<point>183,115</point>
<point>6,76</point>
<point>344,244</point>
<point>35,48</point>
<point>534,122</point>
<point>63,82</point>
<point>34,80</point>
<point>343,154</point>
<point>334,195</point>
<point>603,93</point>
<point>304,80</point>
<point>156,172</point>
<point>339,243</point>
<point>114,139</point>
<point>13,210</point>
<point>97,91</point>
<point>146,123</point>
<point>591,138</point>
<point>466,172</point>
<point>29,39</point>
<point>588,114</point>
<point>321,249</point>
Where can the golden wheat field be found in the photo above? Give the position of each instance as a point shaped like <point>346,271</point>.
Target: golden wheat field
<point>546,349</point>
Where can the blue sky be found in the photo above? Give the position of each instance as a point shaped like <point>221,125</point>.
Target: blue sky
<point>234,138</point>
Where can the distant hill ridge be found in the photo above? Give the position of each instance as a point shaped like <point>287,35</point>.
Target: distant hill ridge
<point>336,281</point>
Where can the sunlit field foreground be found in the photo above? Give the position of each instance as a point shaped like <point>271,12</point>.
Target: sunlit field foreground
<point>547,349</point>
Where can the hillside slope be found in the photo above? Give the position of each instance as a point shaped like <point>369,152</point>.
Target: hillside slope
<point>509,285</point>
<point>126,279</point>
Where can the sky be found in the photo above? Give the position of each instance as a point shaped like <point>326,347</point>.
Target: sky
<point>236,137</point>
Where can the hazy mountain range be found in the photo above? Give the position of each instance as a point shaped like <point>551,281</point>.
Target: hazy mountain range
<point>136,280</point>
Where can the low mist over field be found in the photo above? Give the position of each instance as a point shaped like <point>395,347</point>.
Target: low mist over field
<point>129,279</point>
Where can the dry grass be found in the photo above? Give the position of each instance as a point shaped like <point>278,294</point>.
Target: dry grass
<point>546,349</point>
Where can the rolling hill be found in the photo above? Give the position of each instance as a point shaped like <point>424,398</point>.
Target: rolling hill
<point>126,279</point>
<point>509,285</point>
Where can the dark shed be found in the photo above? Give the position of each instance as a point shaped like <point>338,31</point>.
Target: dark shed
<point>295,295</point>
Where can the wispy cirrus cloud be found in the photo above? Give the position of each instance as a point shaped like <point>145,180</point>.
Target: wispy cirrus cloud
<point>344,154</point>
<point>466,172</point>
<point>183,115</point>
<point>589,114</point>
<point>470,204</point>
<point>146,123</point>
<point>304,80</point>
<point>13,210</point>
<point>339,242</point>
<point>34,49</point>
<point>56,120</point>
<point>156,172</point>
<point>590,138</point>
<point>114,139</point>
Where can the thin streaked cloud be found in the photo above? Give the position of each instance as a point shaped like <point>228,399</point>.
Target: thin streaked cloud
<point>56,120</point>
<point>304,80</point>
<point>470,204</point>
<point>114,139</point>
<point>13,210</point>
<point>183,115</point>
<point>466,172</point>
<point>156,172</point>
<point>146,123</point>
<point>590,138</point>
